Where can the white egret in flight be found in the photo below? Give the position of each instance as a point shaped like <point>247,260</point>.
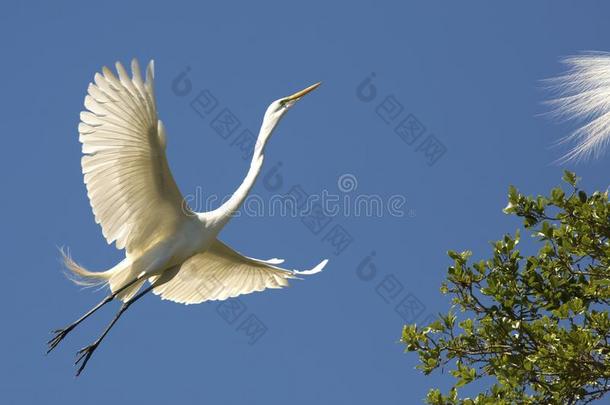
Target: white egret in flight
<point>139,207</point>
<point>583,93</point>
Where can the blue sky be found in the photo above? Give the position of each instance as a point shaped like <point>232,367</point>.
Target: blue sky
<point>469,74</point>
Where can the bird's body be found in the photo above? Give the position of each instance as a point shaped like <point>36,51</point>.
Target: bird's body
<point>140,208</point>
<point>185,239</point>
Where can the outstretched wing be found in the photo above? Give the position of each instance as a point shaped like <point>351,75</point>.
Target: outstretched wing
<point>220,273</point>
<point>131,189</point>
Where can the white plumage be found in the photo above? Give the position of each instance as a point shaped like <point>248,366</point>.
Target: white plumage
<point>220,273</point>
<point>583,94</point>
<point>137,203</point>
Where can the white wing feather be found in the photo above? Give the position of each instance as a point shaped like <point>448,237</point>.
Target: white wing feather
<point>131,189</point>
<point>220,273</point>
<point>583,93</point>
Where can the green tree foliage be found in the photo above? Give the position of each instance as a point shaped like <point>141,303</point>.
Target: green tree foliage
<point>535,328</point>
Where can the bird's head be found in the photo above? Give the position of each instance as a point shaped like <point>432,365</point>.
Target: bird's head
<point>278,108</point>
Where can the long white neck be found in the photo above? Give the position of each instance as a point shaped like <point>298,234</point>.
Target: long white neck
<point>233,204</point>
<point>223,213</point>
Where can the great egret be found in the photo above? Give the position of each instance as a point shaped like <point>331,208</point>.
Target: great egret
<point>139,207</point>
<point>583,93</point>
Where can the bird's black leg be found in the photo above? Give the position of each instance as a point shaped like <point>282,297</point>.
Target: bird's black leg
<point>85,353</point>
<point>60,334</point>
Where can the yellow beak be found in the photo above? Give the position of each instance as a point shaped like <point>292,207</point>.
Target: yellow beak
<point>301,93</point>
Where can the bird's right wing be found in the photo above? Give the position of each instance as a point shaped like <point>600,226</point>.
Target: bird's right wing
<point>220,273</point>
<point>131,189</point>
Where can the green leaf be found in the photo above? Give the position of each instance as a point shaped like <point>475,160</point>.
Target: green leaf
<point>557,195</point>
<point>570,178</point>
<point>582,196</point>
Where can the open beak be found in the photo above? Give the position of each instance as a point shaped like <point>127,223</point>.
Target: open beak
<point>301,93</point>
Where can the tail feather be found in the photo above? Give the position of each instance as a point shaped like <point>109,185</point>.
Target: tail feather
<point>81,276</point>
<point>115,278</point>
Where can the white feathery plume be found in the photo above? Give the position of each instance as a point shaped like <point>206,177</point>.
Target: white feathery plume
<point>583,94</point>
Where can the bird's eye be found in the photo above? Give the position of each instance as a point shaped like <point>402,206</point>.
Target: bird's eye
<point>282,105</point>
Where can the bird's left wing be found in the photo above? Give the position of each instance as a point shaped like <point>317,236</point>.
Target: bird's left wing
<point>583,94</point>
<point>220,273</point>
<point>131,189</point>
